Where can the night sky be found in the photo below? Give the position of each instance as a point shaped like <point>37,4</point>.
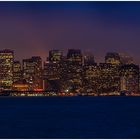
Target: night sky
<point>33,28</point>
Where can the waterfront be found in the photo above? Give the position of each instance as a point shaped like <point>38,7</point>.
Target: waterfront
<point>70,117</point>
<point>54,93</point>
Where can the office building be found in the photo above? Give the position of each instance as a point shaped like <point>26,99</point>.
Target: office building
<point>17,71</point>
<point>73,70</point>
<point>88,58</point>
<point>6,69</point>
<point>90,78</point>
<point>32,72</point>
<point>75,55</point>
<point>112,58</point>
<point>129,77</point>
<point>55,56</point>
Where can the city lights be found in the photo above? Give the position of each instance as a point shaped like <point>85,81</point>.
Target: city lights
<point>71,75</point>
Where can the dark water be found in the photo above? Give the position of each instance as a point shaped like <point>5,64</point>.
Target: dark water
<point>70,117</point>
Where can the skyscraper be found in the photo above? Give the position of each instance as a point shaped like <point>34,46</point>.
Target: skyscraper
<point>88,58</point>
<point>109,78</point>
<point>6,69</point>
<point>74,55</point>
<point>112,58</point>
<point>73,75</point>
<point>129,77</point>
<point>52,70</point>
<point>17,71</point>
<point>32,72</point>
<point>55,55</point>
<point>90,78</point>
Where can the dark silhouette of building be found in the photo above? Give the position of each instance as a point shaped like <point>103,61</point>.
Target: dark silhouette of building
<point>89,59</point>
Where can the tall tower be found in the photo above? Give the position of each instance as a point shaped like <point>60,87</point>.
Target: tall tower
<point>55,55</point>
<point>112,58</point>
<point>17,73</point>
<point>130,76</point>
<point>73,75</point>
<point>32,72</point>
<point>74,55</point>
<point>88,58</point>
<point>6,69</point>
<point>52,71</point>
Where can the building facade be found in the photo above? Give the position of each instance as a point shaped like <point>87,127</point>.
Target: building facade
<point>112,58</point>
<point>55,56</point>
<point>52,71</point>
<point>17,71</point>
<point>32,72</point>
<point>129,77</point>
<point>6,69</point>
<point>73,70</point>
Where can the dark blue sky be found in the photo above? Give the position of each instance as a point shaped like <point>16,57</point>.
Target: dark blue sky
<point>33,28</point>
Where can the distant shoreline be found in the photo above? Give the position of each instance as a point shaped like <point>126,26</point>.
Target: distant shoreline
<point>61,94</point>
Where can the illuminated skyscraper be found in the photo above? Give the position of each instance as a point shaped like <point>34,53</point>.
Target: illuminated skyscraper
<point>74,55</point>
<point>55,55</point>
<point>17,71</point>
<point>130,77</point>
<point>32,72</point>
<point>52,71</point>
<point>109,78</point>
<point>51,75</point>
<point>102,78</point>
<point>91,75</point>
<point>112,58</point>
<point>6,69</point>
<point>73,70</point>
<point>63,73</point>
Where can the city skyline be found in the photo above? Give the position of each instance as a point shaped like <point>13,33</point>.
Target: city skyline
<point>34,28</point>
<point>61,81</point>
<point>69,74</point>
<point>69,69</point>
<point>64,54</point>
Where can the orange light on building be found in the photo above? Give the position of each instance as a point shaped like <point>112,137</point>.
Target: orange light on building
<point>38,89</point>
<point>21,87</point>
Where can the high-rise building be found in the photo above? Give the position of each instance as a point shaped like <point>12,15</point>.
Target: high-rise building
<point>73,70</point>
<point>112,58</point>
<point>6,69</point>
<point>102,78</point>
<point>88,58</point>
<point>129,77</point>
<point>17,71</point>
<point>90,78</point>
<point>51,75</point>
<point>65,73</point>
<point>52,70</point>
<point>74,55</point>
<point>55,55</point>
<point>109,78</point>
<point>32,72</point>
